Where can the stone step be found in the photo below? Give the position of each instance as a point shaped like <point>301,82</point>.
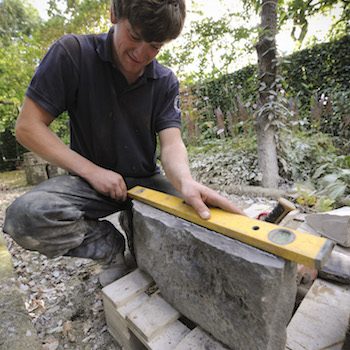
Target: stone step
<point>322,318</point>
<point>138,318</point>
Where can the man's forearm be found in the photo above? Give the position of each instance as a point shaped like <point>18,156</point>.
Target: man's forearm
<point>42,141</point>
<point>32,131</point>
<point>176,166</point>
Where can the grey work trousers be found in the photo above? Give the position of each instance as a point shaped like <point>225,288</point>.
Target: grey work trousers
<point>61,217</point>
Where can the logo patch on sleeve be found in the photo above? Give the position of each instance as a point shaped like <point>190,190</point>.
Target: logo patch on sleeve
<point>177,104</point>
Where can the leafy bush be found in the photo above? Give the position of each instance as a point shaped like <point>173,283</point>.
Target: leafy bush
<point>318,75</point>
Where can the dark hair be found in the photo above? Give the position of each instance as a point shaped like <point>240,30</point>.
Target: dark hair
<point>154,20</point>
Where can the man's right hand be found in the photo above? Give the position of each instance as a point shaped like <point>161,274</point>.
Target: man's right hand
<point>32,131</point>
<point>108,182</point>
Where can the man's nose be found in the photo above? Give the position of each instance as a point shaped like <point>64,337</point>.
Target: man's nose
<point>144,51</point>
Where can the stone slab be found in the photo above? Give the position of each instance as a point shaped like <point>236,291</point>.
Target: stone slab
<point>321,319</point>
<point>241,295</point>
<point>199,340</point>
<point>334,224</point>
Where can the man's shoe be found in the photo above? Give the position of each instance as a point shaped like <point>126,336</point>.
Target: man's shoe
<point>119,267</point>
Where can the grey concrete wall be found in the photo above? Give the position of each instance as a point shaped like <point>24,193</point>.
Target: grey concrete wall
<point>241,295</point>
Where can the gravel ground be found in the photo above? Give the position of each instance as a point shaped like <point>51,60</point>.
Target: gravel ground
<point>63,295</point>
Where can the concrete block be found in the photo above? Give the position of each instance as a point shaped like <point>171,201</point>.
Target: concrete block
<point>197,339</point>
<point>151,318</point>
<point>322,318</point>
<point>241,295</point>
<point>127,287</point>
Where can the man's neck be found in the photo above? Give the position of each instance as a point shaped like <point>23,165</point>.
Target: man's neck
<point>130,78</point>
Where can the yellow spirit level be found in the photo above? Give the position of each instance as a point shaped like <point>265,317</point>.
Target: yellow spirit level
<point>289,244</point>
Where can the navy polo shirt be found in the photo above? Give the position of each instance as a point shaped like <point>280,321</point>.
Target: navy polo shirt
<point>113,124</point>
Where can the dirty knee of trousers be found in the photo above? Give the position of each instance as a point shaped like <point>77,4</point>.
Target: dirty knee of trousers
<point>103,243</point>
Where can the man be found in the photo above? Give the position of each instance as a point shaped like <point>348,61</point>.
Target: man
<point>118,98</point>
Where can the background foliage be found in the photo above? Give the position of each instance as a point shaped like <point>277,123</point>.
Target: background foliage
<point>317,91</point>
<point>313,89</point>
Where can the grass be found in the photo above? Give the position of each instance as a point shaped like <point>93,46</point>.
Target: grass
<point>13,179</point>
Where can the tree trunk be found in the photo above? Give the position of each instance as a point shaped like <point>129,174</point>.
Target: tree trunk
<point>266,50</point>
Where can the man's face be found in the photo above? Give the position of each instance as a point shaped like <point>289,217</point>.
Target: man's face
<point>131,53</point>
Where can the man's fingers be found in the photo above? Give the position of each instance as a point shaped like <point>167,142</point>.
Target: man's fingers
<point>201,209</point>
<point>219,201</point>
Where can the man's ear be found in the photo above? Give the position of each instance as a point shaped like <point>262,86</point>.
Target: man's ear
<point>113,16</point>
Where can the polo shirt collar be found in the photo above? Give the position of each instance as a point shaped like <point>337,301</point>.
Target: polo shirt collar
<point>104,50</point>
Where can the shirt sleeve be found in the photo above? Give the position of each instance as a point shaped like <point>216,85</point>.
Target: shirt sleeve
<point>54,85</point>
<point>169,113</point>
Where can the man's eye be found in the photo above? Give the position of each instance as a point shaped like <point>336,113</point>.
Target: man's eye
<point>134,38</point>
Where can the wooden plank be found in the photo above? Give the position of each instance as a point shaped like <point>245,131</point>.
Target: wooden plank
<point>132,305</point>
<point>197,339</point>
<point>116,317</point>
<point>290,244</point>
<point>149,320</point>
<point>113,320</point>
<point>169,338</point>
<point>321,319</point>
<point>131,343</point>
<point>127,287</point>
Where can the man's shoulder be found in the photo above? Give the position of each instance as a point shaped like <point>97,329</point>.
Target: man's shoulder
<point>164,72</point>
<point>75,42</point>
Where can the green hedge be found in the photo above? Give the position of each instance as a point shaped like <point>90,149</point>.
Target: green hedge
<point>307,74</point>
